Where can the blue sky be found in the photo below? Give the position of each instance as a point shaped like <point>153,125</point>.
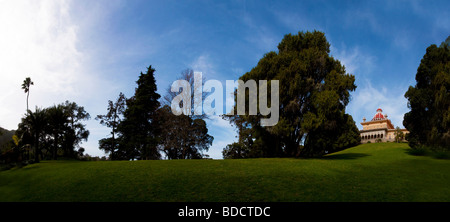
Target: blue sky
<point>88,51</point>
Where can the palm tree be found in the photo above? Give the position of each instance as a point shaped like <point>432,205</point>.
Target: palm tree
<point>35,122</point>
<point>26,87</point>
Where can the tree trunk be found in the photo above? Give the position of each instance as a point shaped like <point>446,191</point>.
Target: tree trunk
<point>36,149</point>
<point>113,145</point>
<point>28,95</point>
<point>55,148</point>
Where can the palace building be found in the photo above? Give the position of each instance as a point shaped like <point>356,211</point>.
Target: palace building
<point>379,129</point>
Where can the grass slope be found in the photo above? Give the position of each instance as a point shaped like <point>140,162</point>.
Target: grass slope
<point>369,172</point>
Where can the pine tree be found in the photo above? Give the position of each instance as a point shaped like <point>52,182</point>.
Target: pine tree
<point>137,128</point>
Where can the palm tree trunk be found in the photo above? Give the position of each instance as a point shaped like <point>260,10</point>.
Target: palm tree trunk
<point>28,95</point>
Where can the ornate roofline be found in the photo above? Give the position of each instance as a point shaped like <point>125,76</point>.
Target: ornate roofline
<point>380,121</point>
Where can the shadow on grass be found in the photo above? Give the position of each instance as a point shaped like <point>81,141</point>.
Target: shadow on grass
<point>345,156</point>
<point>31,167</point>
<point>437,154</point>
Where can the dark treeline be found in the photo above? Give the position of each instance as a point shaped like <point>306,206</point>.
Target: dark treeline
<point>429,100</point>
<point>143,128</point>
<point>45,133</point>
<point>48,133</point>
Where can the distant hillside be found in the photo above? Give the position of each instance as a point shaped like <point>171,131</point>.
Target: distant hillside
<point>5,136</point>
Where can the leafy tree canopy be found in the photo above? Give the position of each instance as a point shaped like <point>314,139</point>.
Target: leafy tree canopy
<point>429,100</point>
<point>314,91</point>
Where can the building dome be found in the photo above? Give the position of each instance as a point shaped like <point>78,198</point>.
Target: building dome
<point>378,115</point>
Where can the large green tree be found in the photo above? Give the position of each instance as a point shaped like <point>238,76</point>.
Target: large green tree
<point>137,128</point>
<point>77,132</point>
<point>57,127</point>
<point>428,120</point>
<point>182,137</point>
<point>314,90</point>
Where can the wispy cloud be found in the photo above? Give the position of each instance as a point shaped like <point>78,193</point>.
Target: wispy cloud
<point>355,61</point>
<point>261,36</point>
<point>367,99</point>
<point>204,64</point>
<point>46,40</point>
<point>223,132</point>
<point>40,41</point>
<point>364,17</point>
<point>369,96</point>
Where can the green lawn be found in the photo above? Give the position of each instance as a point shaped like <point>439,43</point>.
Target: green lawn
<point>369,172</point>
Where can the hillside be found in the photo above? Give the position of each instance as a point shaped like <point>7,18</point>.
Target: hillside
<point>368,172</point>
<point>5,136</point>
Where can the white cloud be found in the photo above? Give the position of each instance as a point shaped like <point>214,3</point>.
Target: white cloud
<point>41,40</point>
<point>203,64</point>
<point>218,121</point>
<point>215,151</point>
<point>367,99</point>
<point>223,132</point>
<point>259,36</point>
<point>355,61</point>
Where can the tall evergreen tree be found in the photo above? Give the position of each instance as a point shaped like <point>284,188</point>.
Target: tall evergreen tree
<point>429,100</point>
<point>137,128</point>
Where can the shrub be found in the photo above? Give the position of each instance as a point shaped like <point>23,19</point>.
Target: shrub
<point>418,151</point>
